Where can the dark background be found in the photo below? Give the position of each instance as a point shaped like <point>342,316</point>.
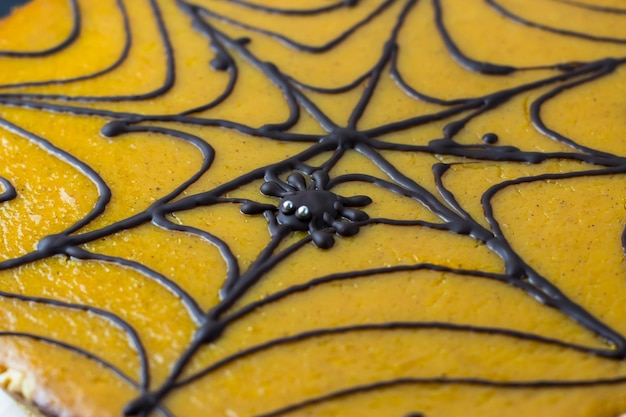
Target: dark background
<point>7,5</point>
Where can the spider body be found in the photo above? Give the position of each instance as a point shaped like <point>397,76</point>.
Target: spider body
<point>301,209</point>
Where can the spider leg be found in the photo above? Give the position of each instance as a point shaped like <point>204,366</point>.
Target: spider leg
<point>276,189</point>
<point>344,228</point>
<point>356,201</point>
<point>353,214</point>
<point>323,239</point>
<point>321,179</point>
<point>252,207</point>
<point>273,225</point>
<point>297,181</point>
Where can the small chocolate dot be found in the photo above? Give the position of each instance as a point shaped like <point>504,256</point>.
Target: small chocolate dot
<point>243,41</point>
<point>113,129</point>
<point>490,138</point>
<point>220,63</point>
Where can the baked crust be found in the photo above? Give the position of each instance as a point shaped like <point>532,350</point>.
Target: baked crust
<point>27,407</point>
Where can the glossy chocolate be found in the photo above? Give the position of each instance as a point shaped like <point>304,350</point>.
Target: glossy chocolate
<point>325,214</point>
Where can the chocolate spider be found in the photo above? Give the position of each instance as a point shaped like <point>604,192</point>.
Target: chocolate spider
<point>310,208</point>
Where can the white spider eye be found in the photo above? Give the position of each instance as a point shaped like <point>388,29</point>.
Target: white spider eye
<point>303,213</point>
<point>287,206</point>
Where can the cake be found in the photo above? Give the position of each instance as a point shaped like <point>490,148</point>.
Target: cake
<point>314,208</point>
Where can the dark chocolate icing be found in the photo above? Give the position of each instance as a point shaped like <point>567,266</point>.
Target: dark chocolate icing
<point>8,5</point>
<point>593,7</point>
<point>326,213</point>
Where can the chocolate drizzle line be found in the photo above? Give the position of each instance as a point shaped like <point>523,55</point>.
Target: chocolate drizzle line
<point>113,66</point>
<point>72,36</point>
<point>9,192</point>
<point>298,12</point>
<point>103,188</point>
<point>316,182</point>
<point>392,326</point>
<point>382,385</point>
<point>297,45</point>
<point>119,322</point>
<point>497,6</point>
<point>593,7</point>
<point>168,82</point>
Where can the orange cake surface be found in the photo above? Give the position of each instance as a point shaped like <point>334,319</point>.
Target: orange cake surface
<point>264,208</point>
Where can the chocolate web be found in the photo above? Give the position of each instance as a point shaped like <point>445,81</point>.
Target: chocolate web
<point>339,140</point>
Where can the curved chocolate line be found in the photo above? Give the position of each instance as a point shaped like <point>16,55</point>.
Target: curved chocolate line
<point>131,333</point>
<point>232,271</point>
<point>74,349</point>
<point>298,45</point>
<point>442,381</point>
<point>331,90</point>
<point>223,61</point>
<point>387,326</point>
<point>161,409</point>
<point>555,298</point>
<point>71,38</point>
<point>297,12</point>
<point>9,192</point>
<point>337,277</point>
<point>410,91</point>
<point>439,171</point>
<point>168,82</point>
<point>115,129</point>
<point>213,326</point>
<point>582,5</point>
<point>388,50</point>
<point>103,188</point>
<point>491,100</point>
<point>187,300</point>
<point>459,56</point>
<point>114,65</point>
<point>606,67</point>
<point>505,12</point>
